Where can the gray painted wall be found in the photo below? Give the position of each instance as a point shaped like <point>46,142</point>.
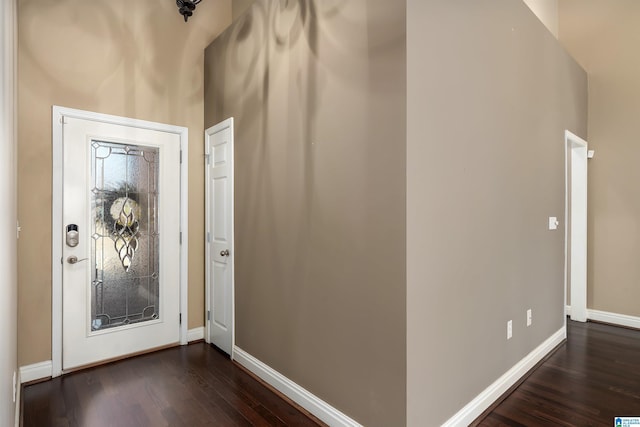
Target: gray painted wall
<point>489,94</point>
<point>320,101</point>
<point>317,90</point>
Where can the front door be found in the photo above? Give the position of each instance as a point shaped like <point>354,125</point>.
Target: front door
<point>220,252</point>
<point>121,241</point>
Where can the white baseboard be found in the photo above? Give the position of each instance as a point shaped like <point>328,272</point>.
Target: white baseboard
<point>293,391</point>
<point>567,310</point>
<point>613,318</point>
<point>195,334</point>
<point>37,371</point>
<point>485,399</point>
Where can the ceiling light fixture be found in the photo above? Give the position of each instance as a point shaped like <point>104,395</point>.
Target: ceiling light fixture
<point>186,7</point>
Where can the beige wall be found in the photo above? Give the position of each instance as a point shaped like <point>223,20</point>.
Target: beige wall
<point>8,209</point>
<point>603,36</point>
<point>130,58</point>
<point>238,7</point>
<point>489,94</point>
<point>547,12</point>
<point>318,97</point>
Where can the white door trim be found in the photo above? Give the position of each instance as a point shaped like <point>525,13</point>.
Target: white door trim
<point>58,114</point>
<point>576,244</point>
<point>208,133</point>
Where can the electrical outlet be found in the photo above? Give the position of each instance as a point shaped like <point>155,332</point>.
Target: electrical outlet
<point>529,319</point>
<point>509,329</point>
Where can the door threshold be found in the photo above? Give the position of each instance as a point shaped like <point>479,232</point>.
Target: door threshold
<point>119,358</point>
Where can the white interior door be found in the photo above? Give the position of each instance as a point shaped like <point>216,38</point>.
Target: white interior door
<point>220,255</point>
<point>121,241</point>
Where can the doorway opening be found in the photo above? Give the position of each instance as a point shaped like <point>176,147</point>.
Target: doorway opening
<point>576,155</point>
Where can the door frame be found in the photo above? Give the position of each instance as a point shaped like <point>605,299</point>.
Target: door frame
<point>228,123</point>
<point>58,115</point>
<point>575,247</point>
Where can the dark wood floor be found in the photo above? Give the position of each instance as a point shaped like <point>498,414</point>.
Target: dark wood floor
<point>588,381</point>
<point>191,385</point>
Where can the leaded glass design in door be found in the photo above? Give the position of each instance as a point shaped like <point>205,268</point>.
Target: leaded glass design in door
<point>125,237</point>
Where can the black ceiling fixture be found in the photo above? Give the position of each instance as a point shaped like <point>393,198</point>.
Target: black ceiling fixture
<point>186,7</point>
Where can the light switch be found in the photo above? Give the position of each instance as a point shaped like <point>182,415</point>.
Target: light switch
<point>553,223</point>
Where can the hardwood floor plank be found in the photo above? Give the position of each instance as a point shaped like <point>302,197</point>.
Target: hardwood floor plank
<point>592,378</point>
<point>192,385</point>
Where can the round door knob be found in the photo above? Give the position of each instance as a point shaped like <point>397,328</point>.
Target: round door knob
<point>224,253</point>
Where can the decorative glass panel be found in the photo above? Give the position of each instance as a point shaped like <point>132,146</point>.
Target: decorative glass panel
<point>125,239</point>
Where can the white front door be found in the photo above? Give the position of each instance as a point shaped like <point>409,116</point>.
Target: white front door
<point>121,241</point>
<point>220,254</point>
